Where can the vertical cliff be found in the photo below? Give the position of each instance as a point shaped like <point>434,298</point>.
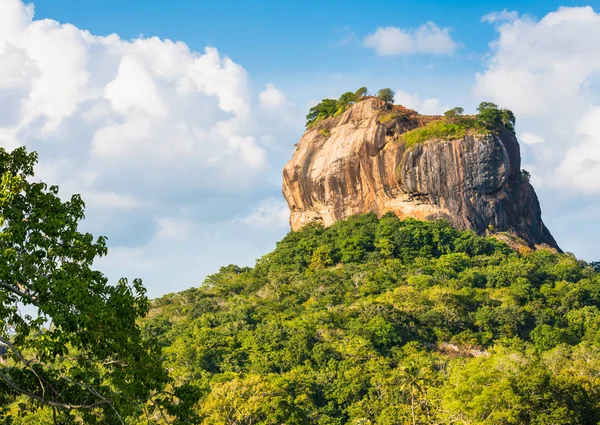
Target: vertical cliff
<point>358,162</point>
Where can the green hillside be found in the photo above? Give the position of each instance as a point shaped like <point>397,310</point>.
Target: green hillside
<point>389,322</point>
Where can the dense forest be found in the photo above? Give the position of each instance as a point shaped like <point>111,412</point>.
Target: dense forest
<point>384,321</point>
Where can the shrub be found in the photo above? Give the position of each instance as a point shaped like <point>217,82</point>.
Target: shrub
<point>524,176</point>
<point>389,117</point>
<point>443,129</point>
<point>325,133</point>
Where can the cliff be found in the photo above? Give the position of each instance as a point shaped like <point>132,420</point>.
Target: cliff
<point>358,162</point>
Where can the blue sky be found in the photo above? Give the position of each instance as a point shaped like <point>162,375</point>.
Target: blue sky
<point>290,42</point>
<point>178,150</point>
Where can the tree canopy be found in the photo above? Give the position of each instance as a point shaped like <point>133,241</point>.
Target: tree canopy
<point>331,107</point>
<point>384,321</point>
<point>70,339</point>
<point>386,94</point>
<point>492,116</point>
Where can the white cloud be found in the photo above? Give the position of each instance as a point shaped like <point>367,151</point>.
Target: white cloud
<point>530,138</point>
<point>170,228</point>
<point>502,16</point>
<point>426,39</point>
<point>143,129</point>
<point>270,213</point>
<point>581,164</point>
<point>547,71</point>
<point>272,98</point>
<point>112,200</point>
<point>429,106</point>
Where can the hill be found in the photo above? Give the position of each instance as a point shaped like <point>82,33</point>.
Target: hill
<point>389,321</point>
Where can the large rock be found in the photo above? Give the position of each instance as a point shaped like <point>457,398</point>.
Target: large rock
<point>357,163</point>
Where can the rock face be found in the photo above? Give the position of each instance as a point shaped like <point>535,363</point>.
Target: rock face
<point>356,163</point>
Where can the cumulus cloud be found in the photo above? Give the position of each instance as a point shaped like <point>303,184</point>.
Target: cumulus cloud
<point>530,138</point>
<point>581,165</point>
<point>151,133</point>
<point>426,39</point>
<point>547,71</point>
<point>429,106</point>
<point>270,213</point>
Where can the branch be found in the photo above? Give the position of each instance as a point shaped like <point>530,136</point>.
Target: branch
<point>42,398</point>
<point>15,290</point>
<point>96,393</point>
<point>36,397</point>
<point>27,364</point>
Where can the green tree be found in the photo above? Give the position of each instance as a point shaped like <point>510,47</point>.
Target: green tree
<point>360,92</point>
<point>492,117</point>
<point>386,94</point>
<point>324,109</point>
<point>454,113</point>
<point>71,338</point>
<point>345,100</point>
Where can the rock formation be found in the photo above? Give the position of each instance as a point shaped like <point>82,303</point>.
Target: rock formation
<point>356,163</point>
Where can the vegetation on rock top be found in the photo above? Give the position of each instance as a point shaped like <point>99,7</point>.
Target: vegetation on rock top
<point>332,108</point>
<point>454,125</point>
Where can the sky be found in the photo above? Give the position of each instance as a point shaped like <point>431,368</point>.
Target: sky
<point>173,120</point>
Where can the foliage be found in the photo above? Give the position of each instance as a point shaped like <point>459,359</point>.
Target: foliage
<point>325,109</point>
<point>525,176</point>
<point>361,92</point>
<point>386,94</point>
<point>72,344</point>
<point>454,125</point>
<point>444,129</point>
<point>389,117</point>
<point>383,321</point>
<point>325,133</point>
<point>330,107</point>
<point>454,113</point>
<point>493,117</point>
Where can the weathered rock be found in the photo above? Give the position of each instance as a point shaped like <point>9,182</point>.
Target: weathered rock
<point>353,164</point>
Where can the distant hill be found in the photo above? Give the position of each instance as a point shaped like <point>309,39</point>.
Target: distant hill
<point>383,321</point>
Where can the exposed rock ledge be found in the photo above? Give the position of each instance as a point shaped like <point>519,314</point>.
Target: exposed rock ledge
<point>354,164</point>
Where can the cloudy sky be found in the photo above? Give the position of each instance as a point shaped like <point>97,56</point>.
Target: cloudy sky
<point>173,120</point>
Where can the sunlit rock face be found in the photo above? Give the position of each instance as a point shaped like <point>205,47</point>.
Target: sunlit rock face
<point>357,163</point>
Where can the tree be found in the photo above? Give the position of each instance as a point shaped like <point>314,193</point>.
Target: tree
<point>454,113</point>
<point>386,94</point>
<point>492,117</point>
<point>508,119</point>
<point>344,101</point>
<point>325,108</point>
<point>360,92</point>
<point>72,340</point>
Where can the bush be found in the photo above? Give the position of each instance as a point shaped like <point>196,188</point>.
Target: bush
<point>455,125</point>
<point>444,130</point>
<point>525,176</point>
<point>389,117</point>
